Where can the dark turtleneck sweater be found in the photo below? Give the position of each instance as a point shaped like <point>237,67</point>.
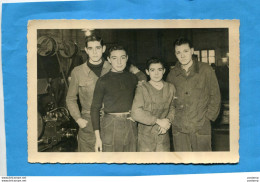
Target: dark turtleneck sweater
<point>116,91</point>
<point>96,68</point>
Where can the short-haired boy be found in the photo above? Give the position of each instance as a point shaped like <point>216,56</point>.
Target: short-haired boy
<point>115,90</point>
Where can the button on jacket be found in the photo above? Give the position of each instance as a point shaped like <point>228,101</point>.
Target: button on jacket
<point>197,96</point>
<point>83,82</point>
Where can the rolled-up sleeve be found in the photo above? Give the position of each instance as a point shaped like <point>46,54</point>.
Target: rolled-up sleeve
<point>71,98</point>
<point>138,112</point>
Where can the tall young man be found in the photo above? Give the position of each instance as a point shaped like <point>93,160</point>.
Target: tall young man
<point>115,132</point>
<point>82,84</point>
<point>197,100</point>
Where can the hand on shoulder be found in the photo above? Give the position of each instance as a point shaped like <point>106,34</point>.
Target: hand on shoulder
<point>141,82</point>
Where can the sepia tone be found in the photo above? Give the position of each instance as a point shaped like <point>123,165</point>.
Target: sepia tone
<point>214,41</point>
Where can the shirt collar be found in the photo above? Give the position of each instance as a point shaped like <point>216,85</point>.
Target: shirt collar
<point>193,69</point>
<point>107,65</point>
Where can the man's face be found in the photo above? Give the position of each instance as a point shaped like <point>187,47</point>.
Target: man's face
<point>184,53</point>
<point>95,51</point>
<point>118,59</point>
<point>155,72</point>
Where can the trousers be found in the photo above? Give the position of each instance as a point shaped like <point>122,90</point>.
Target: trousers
<point>150,141</point>
<point>118,134</point>
<point>86,136</point>
<point>199,140</point>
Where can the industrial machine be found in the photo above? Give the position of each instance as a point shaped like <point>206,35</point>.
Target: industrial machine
<point>57,131</point>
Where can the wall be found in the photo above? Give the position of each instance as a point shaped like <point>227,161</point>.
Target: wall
<point>145,43</point>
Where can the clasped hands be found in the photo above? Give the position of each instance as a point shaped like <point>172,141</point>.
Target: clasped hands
<point>164,125</point>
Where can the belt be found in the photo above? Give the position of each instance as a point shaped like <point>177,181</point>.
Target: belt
<point>120,114</point>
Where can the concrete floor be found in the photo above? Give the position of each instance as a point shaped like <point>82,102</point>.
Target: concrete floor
<point>220,138</point>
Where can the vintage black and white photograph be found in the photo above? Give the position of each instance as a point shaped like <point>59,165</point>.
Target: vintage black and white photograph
<point>133,91</point>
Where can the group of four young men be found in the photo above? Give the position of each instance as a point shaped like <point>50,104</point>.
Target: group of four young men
<point>137,116</point>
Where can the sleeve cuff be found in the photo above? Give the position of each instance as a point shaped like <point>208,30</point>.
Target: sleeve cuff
<point>76,118</point>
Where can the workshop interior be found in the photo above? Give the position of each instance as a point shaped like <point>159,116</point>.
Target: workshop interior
<point>61,50</point>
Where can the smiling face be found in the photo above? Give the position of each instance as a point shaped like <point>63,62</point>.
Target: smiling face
<point>184,53</point>
<point>156,71</point>
<point>95,50</point>
<point>118,60</point>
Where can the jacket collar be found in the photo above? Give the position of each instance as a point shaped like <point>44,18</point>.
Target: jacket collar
<point>193,69</point>
<point>105,69</point>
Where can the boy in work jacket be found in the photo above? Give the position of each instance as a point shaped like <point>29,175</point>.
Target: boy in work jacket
<point>82,84</point>
<point>153,109</point>
<point>197,100</point>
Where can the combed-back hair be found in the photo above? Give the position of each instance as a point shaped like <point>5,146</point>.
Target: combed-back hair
<point>115,48</point>
<point>182,40</point>
<point>93,38</point>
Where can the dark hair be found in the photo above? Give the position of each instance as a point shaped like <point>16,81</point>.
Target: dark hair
<point>182,40</point>
<point>93,38</point>
<point>115,48</point>
<point>154,60</point>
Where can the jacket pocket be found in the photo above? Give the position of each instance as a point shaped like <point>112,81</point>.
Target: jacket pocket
<point>87,85</point>
<point>206,128</point>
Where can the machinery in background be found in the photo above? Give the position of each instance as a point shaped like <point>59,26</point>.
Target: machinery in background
<point>57,131</point>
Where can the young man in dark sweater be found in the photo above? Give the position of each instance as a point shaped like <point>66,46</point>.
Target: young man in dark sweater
<point>116,132</point>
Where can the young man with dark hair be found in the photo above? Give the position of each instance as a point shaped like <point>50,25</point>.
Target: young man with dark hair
<point>197,100</point>
<point>116,132</point>
<point>82,84</point>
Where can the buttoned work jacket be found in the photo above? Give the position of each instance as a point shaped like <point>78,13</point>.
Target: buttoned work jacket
<point>197,96</point>
<point>83,82</point>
